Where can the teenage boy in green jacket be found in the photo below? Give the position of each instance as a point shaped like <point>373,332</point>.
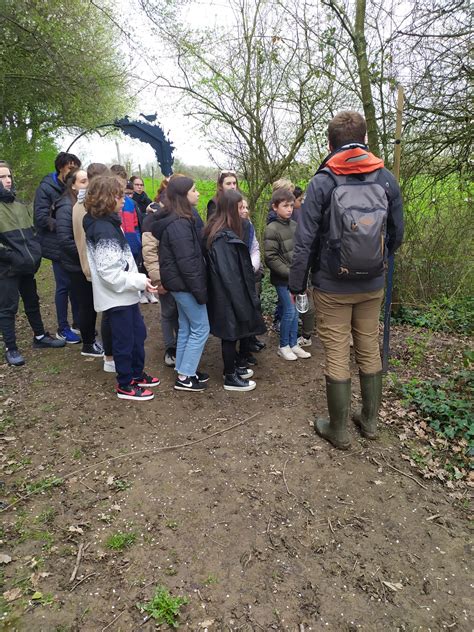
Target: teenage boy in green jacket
<point>20,257</point>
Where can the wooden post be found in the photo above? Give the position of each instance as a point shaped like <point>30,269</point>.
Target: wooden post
<point>391,259</point>
<point>119,157</point>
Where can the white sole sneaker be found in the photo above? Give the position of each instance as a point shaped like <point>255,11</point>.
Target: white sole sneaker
<point>304,342</point>
<point>300,353</point>
<point>249,387</point>
<point>286,353</point>
<point>109,366</point>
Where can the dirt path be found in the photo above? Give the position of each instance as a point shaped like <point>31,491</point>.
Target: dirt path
<point>262,527</point>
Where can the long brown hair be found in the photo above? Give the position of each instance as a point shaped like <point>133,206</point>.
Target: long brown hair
<point>226,216</point>
<point>177,196</point>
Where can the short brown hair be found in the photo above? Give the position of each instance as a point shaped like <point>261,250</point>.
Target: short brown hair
<point>346,127</point>
<point>282,195</point>
<point>97,169</point>
<point>102,194</point>
<point>119,171</point>
<point>283,183</point>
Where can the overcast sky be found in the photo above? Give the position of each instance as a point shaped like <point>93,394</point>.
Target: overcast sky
<point>189,142</point>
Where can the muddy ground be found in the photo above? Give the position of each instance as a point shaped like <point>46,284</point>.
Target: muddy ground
<point>233,501</point>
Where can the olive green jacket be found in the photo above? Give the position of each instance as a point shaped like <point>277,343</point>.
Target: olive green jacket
<point>278,246</point>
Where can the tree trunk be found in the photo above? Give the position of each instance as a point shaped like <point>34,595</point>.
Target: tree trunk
<point>360,44</point>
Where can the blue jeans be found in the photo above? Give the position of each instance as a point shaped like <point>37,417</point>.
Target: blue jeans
<point>192,333</point>
<point>62,294</point>
<point>289,318</point>
<point>128,342</point>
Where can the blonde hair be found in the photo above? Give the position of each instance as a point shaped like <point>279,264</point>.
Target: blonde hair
<point>283,183</point>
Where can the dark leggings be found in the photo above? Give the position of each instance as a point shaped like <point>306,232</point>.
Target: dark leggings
<point>230,356</point>
<point>82,288</point>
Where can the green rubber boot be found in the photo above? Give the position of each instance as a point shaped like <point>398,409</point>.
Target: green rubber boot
<point>334,429</point>
<point>366,417</point>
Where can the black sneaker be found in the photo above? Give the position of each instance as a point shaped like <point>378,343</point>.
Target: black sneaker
<point>256,345</point>
<point>145,381</point>
<point>47,342</point>
<point>14,357</point>
<point>170,357</point>
<point>202,377</point>
<point>244,372</point>
<point>191,383</point>
<point>244,360</point>
<point>94,350</point>
<point>233,382</point>
<point>134,392</point>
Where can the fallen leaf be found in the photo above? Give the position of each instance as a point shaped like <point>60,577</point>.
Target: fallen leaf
<point>393,586</point>
<point>37,595</point>
<point>11,595</point>
<point>5,559</point>
<point>74,529</point>
<point>207,623</point>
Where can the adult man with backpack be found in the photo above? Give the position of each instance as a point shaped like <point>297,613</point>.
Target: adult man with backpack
<point>351,220</point>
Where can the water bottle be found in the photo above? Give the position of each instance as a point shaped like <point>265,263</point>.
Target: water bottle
<point>302,304</point>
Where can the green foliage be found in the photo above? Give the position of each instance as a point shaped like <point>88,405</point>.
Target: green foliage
<point>447,404</point>
<point>61,68</point>
<point>44,484</point>
<point>268,297</point>
<point>120,540</point>
<point>163,607</point>
<point>454,315</point>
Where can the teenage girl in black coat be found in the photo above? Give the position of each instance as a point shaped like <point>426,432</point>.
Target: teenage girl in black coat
<point>232,300</point>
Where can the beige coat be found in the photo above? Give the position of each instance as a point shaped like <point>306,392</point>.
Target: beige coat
<point>78,213</point>
<point>150,257</point>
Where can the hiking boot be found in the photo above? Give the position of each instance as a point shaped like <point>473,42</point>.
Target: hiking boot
<point>366,417</point>
<point>286,353</point>
<point>14,357</point>
<point>202,377</point>
<point>233,382</point>
<point>134,392</point>
<point>109,366</point>
<point>68,336</point>
<point>190,383</point>
<point>48,342</point>
<point>334,429</point>
<point>304,342</point>
<point>300,353</point>
<point>94,350</point>
<point>170,357</point>
<point>145,381</point>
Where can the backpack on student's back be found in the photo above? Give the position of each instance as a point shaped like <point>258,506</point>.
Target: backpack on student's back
<point>357,227</point>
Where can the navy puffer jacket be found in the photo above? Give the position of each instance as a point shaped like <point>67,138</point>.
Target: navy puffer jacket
<point>182,265</point>
<point>48,192</point>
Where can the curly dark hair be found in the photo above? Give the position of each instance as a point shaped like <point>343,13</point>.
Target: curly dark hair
<point>102,195</point>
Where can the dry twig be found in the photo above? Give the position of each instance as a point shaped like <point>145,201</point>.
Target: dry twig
<point>392,467</point>
<point>113,621</point>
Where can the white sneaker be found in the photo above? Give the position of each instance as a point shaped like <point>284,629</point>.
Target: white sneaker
<point>109,366</point>
<point>299,352</point>
<point>286,353</point>
<point>143,298</point>
<point>151,297</point>
<point>304,342</point>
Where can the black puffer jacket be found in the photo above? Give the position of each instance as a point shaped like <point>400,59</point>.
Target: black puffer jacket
<point>68,255</point>
<point>182,265</point>
<point>233,306</point>
<point>48,192</point>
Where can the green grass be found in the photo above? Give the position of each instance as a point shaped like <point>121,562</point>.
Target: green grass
<point>43,485</point>
<point>120,540</point>
<point>163,607</point>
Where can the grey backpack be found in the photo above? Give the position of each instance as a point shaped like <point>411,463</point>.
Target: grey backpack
<point>357,227</point>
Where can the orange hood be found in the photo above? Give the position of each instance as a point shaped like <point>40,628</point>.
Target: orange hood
<point>355,160</point>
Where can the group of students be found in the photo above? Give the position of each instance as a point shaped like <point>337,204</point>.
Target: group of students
<point>112,248</point>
